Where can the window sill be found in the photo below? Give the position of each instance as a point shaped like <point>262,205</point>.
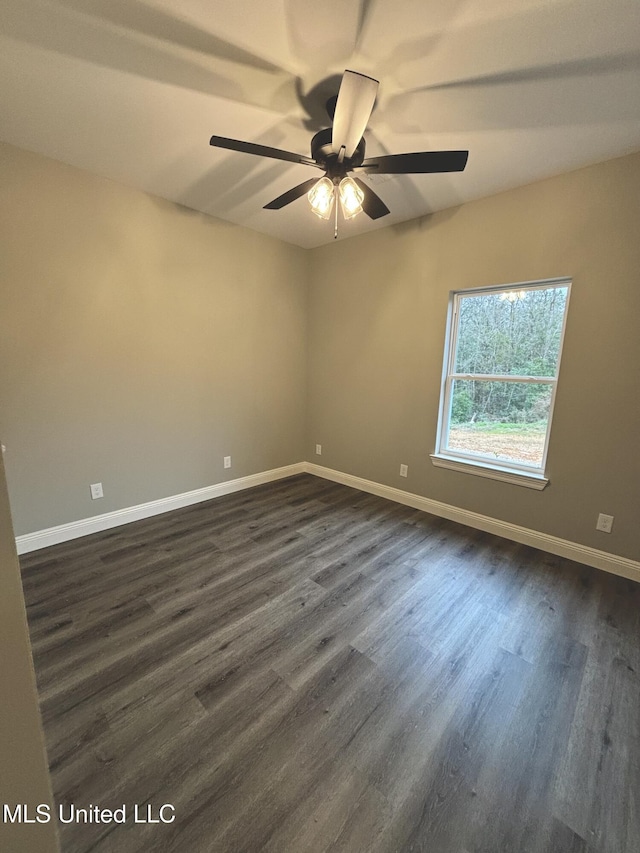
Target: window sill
<point>492,472</point>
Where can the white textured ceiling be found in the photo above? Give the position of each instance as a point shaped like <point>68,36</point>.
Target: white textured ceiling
<point>133,89</point>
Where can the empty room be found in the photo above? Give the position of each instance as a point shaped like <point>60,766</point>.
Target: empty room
<point>320,412</point>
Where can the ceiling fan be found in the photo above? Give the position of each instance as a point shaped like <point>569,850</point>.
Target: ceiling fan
<point>339,151</point>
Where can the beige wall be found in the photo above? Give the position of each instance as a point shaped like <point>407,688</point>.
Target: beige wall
<point>140,342</point>
<point>24,777</point>
<point>378,306</point>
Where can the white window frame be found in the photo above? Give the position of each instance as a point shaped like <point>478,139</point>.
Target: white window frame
<point>512,472</point>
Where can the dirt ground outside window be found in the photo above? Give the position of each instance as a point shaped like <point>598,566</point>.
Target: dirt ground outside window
<point>526,446</point>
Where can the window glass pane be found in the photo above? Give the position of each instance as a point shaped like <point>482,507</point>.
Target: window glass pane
<point>513,332</point>
<point>500,420</point>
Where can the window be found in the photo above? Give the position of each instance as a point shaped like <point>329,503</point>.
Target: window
<point>499,381</point>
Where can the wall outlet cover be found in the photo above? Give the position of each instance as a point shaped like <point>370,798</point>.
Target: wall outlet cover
<point>605,523</point>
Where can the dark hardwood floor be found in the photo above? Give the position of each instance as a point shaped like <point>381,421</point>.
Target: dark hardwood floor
<point>303,668</point>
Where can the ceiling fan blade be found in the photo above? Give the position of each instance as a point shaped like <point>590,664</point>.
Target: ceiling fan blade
<point>372,204</point>
<point>290,195</point>
<point>356,98</point>
<point>260,150</point>
<point>420,162</point>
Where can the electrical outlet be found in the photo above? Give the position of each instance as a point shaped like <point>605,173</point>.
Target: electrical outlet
<point>227,462</point>
<point>318,450</point>
<point>404,470</point>
<point>96,491</point>
<point>605,523</point>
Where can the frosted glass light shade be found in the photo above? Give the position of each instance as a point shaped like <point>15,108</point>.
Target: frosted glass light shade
<point>321,197</point>
<point>351,198</point>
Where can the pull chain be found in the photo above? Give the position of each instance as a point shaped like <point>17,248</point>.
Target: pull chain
<point>335,229</point>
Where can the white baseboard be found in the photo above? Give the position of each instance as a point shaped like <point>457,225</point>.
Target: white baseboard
<point>76,529</point>
<point>612,563</point>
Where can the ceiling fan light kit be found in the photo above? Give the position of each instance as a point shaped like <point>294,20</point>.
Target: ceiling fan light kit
<point>339,152</point>
<point>322,195</point>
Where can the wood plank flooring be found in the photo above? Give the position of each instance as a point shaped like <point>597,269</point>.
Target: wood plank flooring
<point>303,668</point>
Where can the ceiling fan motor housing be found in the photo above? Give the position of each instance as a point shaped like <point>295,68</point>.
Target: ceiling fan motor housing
<point>322,153</point>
